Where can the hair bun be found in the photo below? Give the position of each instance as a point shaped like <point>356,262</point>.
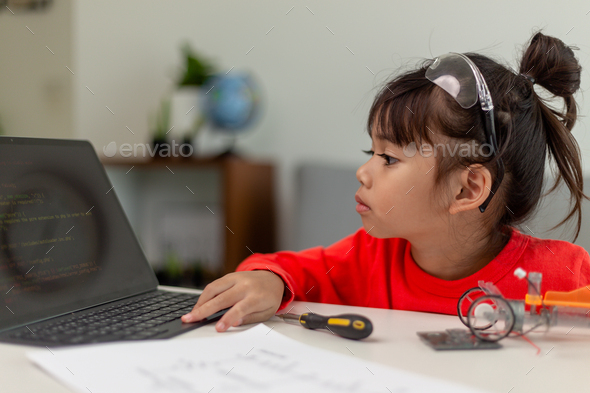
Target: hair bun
<point>552,64</point>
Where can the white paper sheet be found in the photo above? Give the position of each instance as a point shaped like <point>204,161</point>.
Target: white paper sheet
<point>256,360</point>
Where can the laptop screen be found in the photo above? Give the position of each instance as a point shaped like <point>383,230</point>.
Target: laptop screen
<point>65,242</point>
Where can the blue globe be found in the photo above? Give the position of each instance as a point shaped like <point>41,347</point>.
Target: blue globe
<point>232,103</point>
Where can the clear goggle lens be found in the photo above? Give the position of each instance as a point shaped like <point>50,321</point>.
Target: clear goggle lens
<point>456,74</point>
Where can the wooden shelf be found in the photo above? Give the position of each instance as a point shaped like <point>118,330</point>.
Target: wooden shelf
<point>176,161</point>
<point>247,199</point>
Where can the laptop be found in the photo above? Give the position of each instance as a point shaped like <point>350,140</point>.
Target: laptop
<point>71,268</point>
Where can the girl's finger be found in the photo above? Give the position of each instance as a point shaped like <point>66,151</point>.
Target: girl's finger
<point>237,314</point>
<point>224,300</point>
<point>215,288</point>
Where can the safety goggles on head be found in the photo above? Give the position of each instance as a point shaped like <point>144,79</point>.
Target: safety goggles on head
<point>456,74</point>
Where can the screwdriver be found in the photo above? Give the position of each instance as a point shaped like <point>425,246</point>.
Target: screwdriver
<point>351,326</point>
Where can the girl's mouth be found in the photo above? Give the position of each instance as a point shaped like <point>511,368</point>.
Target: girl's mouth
<point>361,207</point>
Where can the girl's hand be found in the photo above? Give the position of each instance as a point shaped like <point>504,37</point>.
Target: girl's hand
<point>253,296</point>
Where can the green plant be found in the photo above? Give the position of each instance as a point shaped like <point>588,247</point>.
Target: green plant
<point>197,68</point>
<point>197,125</point>
<point>160,121</point>
<point>173,266</point>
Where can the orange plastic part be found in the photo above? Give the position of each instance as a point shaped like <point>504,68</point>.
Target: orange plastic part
<point>576,298</point>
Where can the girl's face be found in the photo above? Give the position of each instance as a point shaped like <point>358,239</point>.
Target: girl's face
<point>395,198</point>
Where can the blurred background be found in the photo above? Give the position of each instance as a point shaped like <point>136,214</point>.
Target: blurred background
<point>112,71</point>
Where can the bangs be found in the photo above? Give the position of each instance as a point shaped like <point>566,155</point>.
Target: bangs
<point>410,109</point>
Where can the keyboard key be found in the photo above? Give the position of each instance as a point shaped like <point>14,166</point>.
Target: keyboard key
<point>130,320</point>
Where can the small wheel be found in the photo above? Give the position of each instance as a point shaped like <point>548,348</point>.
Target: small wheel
<point>490,318</point>
<point>466,300</point>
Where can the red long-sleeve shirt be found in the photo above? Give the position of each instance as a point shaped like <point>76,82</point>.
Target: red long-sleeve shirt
<point>361,270</point>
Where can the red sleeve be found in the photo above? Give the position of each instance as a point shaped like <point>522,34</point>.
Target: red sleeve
<point>334,274</point>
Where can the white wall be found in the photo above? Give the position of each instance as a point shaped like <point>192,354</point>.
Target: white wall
<point>35,85</point>
<point>317,92</point>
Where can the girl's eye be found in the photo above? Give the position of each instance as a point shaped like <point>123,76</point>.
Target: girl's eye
<point>369,152</point>
<point>388,160</point>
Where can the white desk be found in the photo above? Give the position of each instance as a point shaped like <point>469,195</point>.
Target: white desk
<point>562,366</point>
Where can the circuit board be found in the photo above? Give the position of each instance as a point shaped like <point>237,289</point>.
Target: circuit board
<point>455,339</point>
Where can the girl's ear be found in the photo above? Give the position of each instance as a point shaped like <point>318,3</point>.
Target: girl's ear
<point>472,189</point>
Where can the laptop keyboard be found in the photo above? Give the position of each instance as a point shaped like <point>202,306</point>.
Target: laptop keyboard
<point>135,319</point>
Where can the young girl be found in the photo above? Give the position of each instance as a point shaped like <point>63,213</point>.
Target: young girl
<point>458,155</point>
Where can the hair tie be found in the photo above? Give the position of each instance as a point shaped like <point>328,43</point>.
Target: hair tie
<point>530,78</point>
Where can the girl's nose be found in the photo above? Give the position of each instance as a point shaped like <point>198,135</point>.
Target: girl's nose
<point>363,176</point>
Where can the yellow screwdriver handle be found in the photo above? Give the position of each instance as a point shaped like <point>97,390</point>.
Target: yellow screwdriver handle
<point>351,326</point>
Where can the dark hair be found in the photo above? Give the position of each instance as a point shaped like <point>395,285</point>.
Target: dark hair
<point>410,108</point>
